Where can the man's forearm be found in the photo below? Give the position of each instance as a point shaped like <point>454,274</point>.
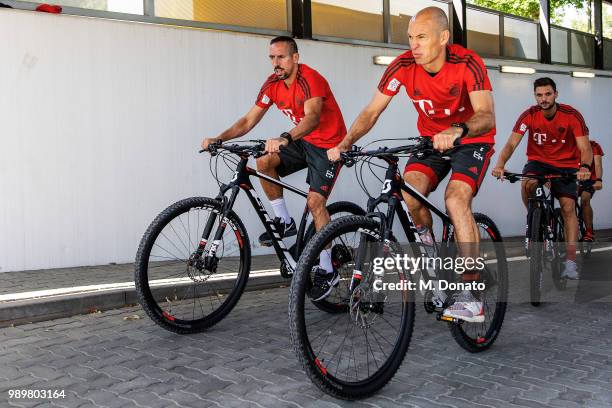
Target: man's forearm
<point>240,128</point>
<point>586,156</point>
<point>361,126</point>
<point>306,125</point>
<point>480,123</point>
<point>505,155</point>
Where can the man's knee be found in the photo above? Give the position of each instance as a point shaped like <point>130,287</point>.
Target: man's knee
<point>458,197</point>
<point>585,200</point>
<point>568,207</point>
<point>316,202</point>
<point>267,162</point>
<point>421,183</point>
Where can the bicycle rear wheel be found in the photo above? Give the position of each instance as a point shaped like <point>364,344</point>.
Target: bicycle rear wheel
<point>176,288</point>
<point>477,337</point>
<point>536,259</point>
<point>353,354</point>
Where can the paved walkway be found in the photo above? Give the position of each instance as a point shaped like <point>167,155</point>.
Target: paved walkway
<point>558,355</point>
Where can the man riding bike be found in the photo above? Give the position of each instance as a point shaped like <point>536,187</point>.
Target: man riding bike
<point>304,96</point>
<point>558,144</point>
<point>587,190</point>
<point>451,92</point>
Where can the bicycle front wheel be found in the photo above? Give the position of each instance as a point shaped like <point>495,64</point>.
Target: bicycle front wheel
<point>352,354</point>
<point>536,260</point>
<point>477,337</point>
<point>180,290</point>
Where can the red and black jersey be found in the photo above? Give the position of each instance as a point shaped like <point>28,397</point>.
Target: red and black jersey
<point>290,100</point>
<point>442,99</point>
<point>553,141</point>
<point>597,151</point>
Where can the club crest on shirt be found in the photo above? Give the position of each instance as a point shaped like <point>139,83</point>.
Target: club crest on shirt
<point>454,90</point>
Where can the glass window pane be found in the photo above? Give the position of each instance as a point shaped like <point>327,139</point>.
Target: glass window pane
<point>580,17</point>
<point>402,11</point>
<point>483,32</point>
<point>356,19</point>
<point>120,6</point>
<point>582,49</point>
<point>270,14</point>
<point>558,45</point>
<point>606,13</point>
<point>608,54</point>
<point>520,39</point>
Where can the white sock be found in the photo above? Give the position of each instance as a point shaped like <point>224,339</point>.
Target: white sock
<point>280,209</point>
<point>325,261</point>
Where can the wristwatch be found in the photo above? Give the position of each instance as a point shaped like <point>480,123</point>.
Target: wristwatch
<point>287,137</point>
<point>463,126</point>
<point>588,166</point>
<point>598,179</point>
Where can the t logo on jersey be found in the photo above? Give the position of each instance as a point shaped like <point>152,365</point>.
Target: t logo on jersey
<point>393,85</point>
<point>539,138</point>
<point>291,116</point>
<point>425,105</point>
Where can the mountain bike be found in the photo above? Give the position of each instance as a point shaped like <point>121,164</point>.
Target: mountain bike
<point>544,233</point>
<point>354,354</point>
<point>194,259</point>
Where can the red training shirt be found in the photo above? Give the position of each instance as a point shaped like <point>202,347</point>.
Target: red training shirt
<point>553,141</point>
<point>442,99</point>
<point>290,100</point>
<point>597,151</point>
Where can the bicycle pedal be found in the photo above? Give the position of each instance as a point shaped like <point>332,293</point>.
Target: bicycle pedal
<point>449,319</point>
<point>265,244</point>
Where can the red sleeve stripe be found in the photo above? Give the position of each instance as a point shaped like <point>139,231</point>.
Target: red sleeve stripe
<point>473,66</point>
<point>523,116</point>
<point>392,69</point>
<point>305,87</point>
<point>578,116</point>
<point>265,87</point>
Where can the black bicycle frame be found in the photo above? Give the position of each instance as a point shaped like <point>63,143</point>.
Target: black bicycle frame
<point>241,181</point>
<point>540,199</point>
<point>393,185</point>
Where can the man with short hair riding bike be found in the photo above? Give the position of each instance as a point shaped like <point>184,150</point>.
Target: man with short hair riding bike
<point>304,96</point>
<point>450,89</point>
<point>558,144</point>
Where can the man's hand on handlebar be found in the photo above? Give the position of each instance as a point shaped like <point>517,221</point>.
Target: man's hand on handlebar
<point>498,172</point>
<point>274,145</point>
<point>208,141</point>
<point>333,154</point>
<point>445,140</point>
<point>583,174</point>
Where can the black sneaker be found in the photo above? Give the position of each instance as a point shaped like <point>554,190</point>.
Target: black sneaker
<point>324,282</point>
<point>284,230</point>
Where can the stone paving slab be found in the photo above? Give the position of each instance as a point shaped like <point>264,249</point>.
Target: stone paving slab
<point>557,355</point>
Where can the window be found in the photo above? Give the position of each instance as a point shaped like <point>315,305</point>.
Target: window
<point>354,19</point>
<point>268,14</point>
<point>582,49</point>
<point>558,45</point>
<point>401,11</point>
<point>520,39</point>
<point>483,32</point>
<point>606,15</point>
<point>120,6</point>
<point>581,18</point>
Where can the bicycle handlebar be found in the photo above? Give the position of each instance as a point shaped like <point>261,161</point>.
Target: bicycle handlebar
<point>424,147</point>
<point>256,150</point>
<point>514,177</point>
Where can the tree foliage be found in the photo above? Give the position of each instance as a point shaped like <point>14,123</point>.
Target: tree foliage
<point>528,8</point>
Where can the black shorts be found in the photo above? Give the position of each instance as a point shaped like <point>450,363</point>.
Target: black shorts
<point>586,186</point>
<point>560,188</point>
<point>299,155</point>
<point>469,163</point>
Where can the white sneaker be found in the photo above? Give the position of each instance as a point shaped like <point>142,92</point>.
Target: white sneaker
<point>570,270</point>
<point>467,308</point>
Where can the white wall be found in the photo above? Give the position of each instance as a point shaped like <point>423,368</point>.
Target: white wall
<point>101,122</point>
